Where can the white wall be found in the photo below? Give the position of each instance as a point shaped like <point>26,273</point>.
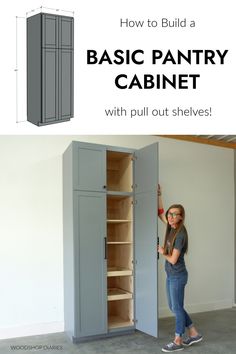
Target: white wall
<point>201,177</point>
<point>31,255</point>
<point>234,227</point>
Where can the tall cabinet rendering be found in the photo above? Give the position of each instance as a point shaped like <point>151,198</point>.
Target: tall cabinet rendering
<point>110,240</point>
<point>50,68</point>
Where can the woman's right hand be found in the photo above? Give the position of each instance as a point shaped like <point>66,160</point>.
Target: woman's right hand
<point>161,212</point>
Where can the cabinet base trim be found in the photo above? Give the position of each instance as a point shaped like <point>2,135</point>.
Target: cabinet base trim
<point>39,124</point>
<point>102,336</point>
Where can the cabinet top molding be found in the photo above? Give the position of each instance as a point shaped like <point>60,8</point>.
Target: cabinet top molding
<point>49,14</point>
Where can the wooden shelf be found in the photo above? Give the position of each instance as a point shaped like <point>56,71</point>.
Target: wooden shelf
<point>118,194</point>
<point>118,294</point>
<point>118,221</point>
<point>118,271</point>
<point>119,243</point>
<point>117,321</point>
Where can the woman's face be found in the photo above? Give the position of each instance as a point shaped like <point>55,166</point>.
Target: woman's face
<point>174,217</point>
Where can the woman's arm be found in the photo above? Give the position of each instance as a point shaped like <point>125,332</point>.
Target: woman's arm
<point>171,259</point>
<point>161,212</point>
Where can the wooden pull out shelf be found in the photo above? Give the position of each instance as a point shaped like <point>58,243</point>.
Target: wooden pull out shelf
<point>119,243</point>
<point>117,322</point>
<point>118,271</point>
<point>117,221</point>
<point>118,294</point>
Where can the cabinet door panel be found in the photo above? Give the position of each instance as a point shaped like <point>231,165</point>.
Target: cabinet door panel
<point>66,85</point>
<point>50,85</point>
<point>146,269</point>
<point>66,32</point>
<point>49,31</point>
<point>90,265</point>
<point>147,160</point>
<point>89,167</point>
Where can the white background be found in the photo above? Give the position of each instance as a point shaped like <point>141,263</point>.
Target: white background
<point>97,26</point>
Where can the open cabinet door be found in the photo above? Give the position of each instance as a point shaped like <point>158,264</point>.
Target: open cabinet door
<point>146,268</point>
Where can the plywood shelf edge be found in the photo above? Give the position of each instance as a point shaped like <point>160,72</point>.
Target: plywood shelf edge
<point>118,294</point>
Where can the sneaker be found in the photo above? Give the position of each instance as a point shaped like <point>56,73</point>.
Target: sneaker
<point>172,347</point>
<point>191,340</point>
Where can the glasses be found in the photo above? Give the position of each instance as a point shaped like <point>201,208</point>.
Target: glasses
<point>173,215</point>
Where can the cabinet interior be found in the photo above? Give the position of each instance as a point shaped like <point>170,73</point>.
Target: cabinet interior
<point>119,171</point>
<point>120,313</point>
<point>119,232</point>
<point>119,240</point>
<point>120,256</point>
<point>119,208</point>
<point>124,283</point>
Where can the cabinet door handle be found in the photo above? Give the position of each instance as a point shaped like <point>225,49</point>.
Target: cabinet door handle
<point>104,187</point>
<point>157,246</point>
<point>105,248</point>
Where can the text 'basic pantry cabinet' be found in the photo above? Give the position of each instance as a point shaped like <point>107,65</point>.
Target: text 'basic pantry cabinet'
<point>110,240</point>
<point>50,68</point>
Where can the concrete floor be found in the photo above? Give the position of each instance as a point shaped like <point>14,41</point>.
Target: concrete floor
<point>217,327</point>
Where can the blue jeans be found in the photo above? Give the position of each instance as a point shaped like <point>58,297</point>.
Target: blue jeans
<point>175,285</point>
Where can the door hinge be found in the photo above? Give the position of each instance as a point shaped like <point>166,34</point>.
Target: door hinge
<point>134,320</point>
<point>134,186</point>
<point>134,157</point>
<point>134,202</point>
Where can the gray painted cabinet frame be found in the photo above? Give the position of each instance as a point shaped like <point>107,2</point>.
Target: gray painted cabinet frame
<point>86,196</point>
<point>50,68</point>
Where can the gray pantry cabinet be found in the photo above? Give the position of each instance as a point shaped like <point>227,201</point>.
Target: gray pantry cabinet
<point>50,68</point>
<point>110,239</point>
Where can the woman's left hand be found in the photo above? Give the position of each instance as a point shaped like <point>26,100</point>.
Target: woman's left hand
<point>160,249</point>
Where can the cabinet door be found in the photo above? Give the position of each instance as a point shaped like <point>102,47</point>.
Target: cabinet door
<point>49,31</point>
<point>90,264</point>
<point>89,161</point>
<point>146,269</point>
<point>66,32</point>
<point>66,84</point>
<point>49,85</point>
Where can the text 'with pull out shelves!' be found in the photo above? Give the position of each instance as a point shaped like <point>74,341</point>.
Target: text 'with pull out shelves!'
<point>110,238</point>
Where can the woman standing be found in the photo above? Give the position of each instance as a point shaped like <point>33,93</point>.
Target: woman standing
<point>174,249</point>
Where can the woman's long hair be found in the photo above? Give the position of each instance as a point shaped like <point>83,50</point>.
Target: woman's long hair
<point>179,227</point>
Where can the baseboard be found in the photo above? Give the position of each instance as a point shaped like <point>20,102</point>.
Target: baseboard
<point>195,308</point>
<point>31,330</point>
